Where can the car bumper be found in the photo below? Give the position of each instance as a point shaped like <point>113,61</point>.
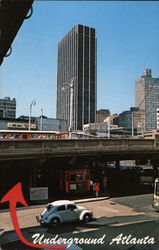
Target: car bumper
<point>39,220</point>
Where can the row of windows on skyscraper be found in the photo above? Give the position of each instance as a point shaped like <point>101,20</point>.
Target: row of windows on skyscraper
<point>77,64</point>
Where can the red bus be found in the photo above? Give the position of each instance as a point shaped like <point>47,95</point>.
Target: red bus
<point>77,181</point>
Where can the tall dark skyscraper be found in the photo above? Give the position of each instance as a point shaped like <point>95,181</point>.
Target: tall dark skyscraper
<point>77,64</point>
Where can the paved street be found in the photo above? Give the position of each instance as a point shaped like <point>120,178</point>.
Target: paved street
<point>126,215</point>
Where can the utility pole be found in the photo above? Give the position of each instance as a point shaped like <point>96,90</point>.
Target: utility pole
<point>41,120</point>
<point>32,103</point>
<point>108,122</point>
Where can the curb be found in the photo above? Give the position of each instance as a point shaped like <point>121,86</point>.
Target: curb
<point>44,205</point>
<point>91,199</point>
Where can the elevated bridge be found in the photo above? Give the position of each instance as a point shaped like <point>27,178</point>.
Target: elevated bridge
<point>39,163</point>
<point>81,150</point>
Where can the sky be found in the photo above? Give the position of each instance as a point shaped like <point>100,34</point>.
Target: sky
<point>127,42</point>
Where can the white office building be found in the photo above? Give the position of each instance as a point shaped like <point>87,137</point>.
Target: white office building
<point>147,98</point>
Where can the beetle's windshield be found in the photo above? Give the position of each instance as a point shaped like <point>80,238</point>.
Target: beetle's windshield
<point>49,206</point>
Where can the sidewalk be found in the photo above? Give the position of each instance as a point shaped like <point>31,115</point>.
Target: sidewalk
<point>91,199</point>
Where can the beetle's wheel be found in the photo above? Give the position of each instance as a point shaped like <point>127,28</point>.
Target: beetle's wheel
<point>55,222</point>
<point>86,218</point>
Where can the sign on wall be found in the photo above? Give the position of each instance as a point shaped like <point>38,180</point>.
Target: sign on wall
<point>39,193</point>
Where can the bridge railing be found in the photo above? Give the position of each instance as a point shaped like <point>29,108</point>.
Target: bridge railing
<point>84,144</point>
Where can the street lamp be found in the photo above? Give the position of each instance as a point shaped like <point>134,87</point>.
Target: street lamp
<point>71,104</point>
<point>32,103</point>
<point>68,90</point>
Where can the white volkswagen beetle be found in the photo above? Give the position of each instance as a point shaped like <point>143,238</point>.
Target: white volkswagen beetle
<point>63,211</point>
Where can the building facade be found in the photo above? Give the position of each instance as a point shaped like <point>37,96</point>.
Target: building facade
<point>157,119</point>
<point>44,124</point>
<point>8,108</point>
<point>77,69</point>
<point>1,113</point>
<point>102,126</point>
<point>16,124</point>
<point>147,98</point>
<point>125,119</point>
<point>134,115</point>
<point>115,119</point>
<point>101,115</point>
<point>101,130</point>
<point>51,124</point>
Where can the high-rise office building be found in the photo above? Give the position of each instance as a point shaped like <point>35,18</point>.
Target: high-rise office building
<point>147,98</point>
<point>8,107</point>
<point>77,65</point>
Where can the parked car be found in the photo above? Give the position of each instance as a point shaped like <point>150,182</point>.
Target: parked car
<point>63,211</point>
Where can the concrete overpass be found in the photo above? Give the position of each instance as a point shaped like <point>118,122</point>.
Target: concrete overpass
<point>39,163</point>
<point>86,150</point>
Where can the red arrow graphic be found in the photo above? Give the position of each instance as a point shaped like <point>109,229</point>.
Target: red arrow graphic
<point>14,196</point>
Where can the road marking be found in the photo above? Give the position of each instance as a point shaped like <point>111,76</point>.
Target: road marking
<point>131,223</point>
<point>85,230</point>
<point>91,199</point>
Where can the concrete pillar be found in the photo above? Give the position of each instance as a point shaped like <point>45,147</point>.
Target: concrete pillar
<point>105,185</point>
<point>117,178</point>
<point>155,168</point>
<point>117,165</point>
<point>33,176</point>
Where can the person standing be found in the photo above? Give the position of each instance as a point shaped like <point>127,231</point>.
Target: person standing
<point>97,188</point>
